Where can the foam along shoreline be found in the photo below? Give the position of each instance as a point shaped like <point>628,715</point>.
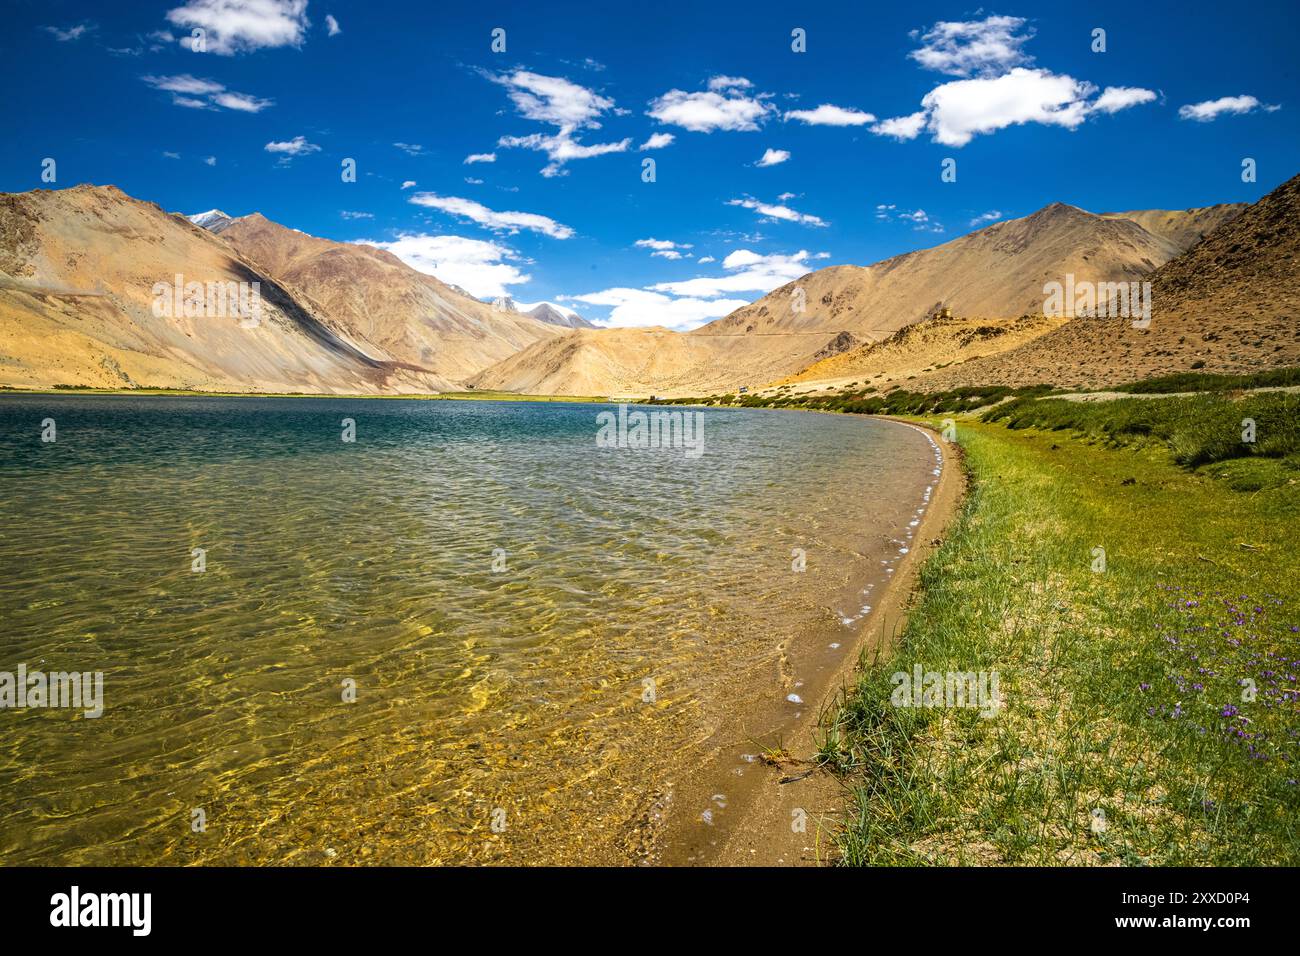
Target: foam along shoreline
<point>781,810</point>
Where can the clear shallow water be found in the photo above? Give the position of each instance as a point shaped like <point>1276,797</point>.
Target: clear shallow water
<point>521,692</point>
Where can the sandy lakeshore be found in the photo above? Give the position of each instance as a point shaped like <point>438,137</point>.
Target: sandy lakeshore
<point>768,810</point>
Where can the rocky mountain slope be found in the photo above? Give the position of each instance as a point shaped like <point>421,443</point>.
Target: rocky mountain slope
<point>88,296</point>
<point>1231,303</point>
<point>371,298</point>
<point>996,272</point>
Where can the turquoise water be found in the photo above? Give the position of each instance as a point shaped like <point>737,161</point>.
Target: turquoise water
<point>516,697</point>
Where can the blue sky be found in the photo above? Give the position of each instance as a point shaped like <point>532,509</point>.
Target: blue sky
<point>284,91</point>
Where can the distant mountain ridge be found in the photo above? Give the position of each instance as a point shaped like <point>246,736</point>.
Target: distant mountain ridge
<point>1228,304</point>
<point>86,277</point>
<point>996,272</point>
<point>370,297</point>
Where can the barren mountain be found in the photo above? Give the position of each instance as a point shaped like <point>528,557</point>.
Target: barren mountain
<point>81,272</point>
<point>1231,303</point>
<point>371,298</point>
<point>555,315</point>
<point>927,345</point>
<point>998,272</point>
<point>613,362</point>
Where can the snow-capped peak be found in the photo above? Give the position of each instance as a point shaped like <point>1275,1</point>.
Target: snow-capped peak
<point>214,220</point>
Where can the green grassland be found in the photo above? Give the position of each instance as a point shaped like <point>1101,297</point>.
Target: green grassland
<point>1151,711</point>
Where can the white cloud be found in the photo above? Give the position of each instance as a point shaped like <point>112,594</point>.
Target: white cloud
<point>1211,109</point>
<point>186,91</point>
<point>773,211</point>
<point>689,303</point>
<point>986,47</point>
<point>720,83</point>
<point>919,218</point>
<point>481,158</point>
<point>241,26</point>
<point>211,161</point>
<point>561,148</point>
<point>661,245</point>
<point>242,102</point>
<point>747,271</point>
<point>1116,98</point>
<point>902,127</point>
<point>958,111</point>
<point>1001,90</point>
<point>828,115</point>
<point>640,307</point>
<point>346,214</point>
<point>298,146</point>
<point>725,106</point>
<point>170,155</point>
<point>773,157</point>
<point>509,222</point>
<point>410,149</point>
<point>993,215</point>
<point>184,83</point>
<point>408,184</point>
<point>473,182</point>
<point>668,254</point>
<point>562,104</point>
<point>71,34</point>
<point>482,268</point>
<point>657,141</point>
<point>702,260</point>
<point>554,100</point>
<point>332,25</point>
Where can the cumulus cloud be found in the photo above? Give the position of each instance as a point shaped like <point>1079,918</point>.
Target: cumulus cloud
<point>661,245</point>
<point>726,105</point>
<point>1116,98</point>
<point>664,248</point>
<point>560,103</point>
<point>985,47</point>
<point>657,141</point>
<point>408,184</point>
<point>481,158</point>
<point>1211,110</point>
<point>689,303</point>
<point>773,157</point>
<point>999,89</point>
<point>993,215</point>
<point>332,25</point>
<point>640,307</point>
<point>561,148</point>
<point>508,222</point>
<point>777,211</point>
<point>484,269</point>
<point>956,112</point>
<point>720,83</point>
<point>919,218</point>
<point>553,99</point>
<point>193,92</point>
<point>828,115</point>
<point>241,102</point>
<point>298,146</point>
<point>746,271</point>
<point>241,26</point>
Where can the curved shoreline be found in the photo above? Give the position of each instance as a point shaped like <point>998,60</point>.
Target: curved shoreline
<point>765,806</point>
